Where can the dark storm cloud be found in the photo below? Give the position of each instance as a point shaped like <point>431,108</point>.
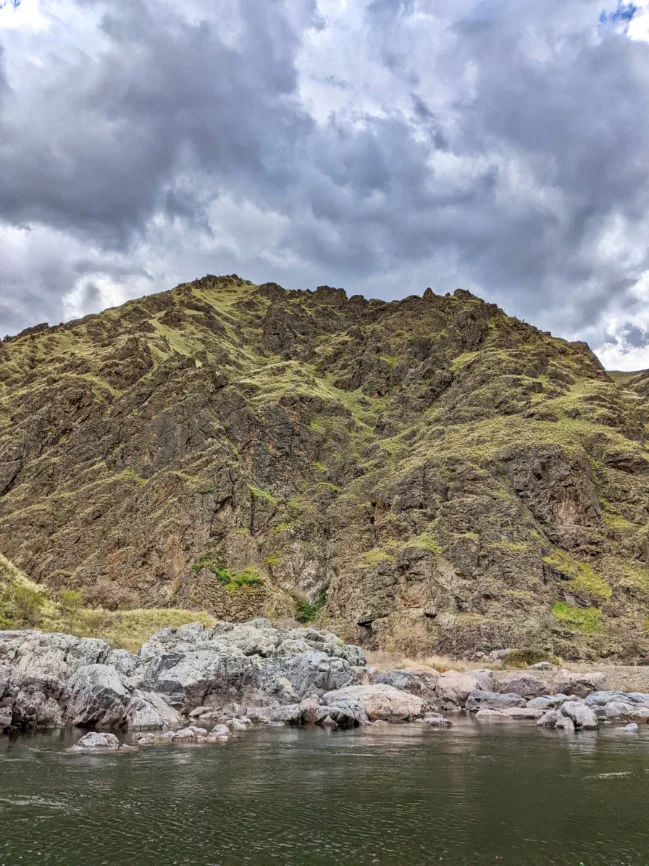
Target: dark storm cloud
<point>384,147</point>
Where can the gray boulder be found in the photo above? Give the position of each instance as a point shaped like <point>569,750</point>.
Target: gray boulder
<point>290,714</point>
<point>524,684</point>
<point>34,700</point>
<point>492,701</point>
<point>630,729</point>
<point>595,699</point>
<point>547,702</point>
<point>580,714</point>
<point>418,681</point>
<point>95,696</point>
<point>96,742</point>
<point>436,721</point>
<point>5,715</point>
<point>523,713</point>
<point>147,710</point>
<point>345,714</point>
<point>49,656</point>
<point>556,719</point>
<point>493,716</point>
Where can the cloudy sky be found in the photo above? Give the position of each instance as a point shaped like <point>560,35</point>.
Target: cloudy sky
<point>379,145</point>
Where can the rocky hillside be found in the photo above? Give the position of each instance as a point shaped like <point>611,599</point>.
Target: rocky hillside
<point>427,474</point>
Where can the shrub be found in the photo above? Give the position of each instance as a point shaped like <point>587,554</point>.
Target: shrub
<point>230,579</point>
<point>523,658</point>
<point>308,611</point>
<point>27,603</point>
<point>109,595</point>
<point>70,601</point>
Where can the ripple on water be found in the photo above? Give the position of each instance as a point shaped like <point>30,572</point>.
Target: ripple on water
<point>281,796</point>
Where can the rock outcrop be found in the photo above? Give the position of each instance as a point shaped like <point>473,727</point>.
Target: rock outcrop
<point>194,684</point>
<point>429,474</point>
<point>175,673</point>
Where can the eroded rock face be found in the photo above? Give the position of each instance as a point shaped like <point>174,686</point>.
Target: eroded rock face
<point>287,433</point>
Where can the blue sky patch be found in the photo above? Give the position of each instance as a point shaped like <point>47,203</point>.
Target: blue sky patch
<point>624,12</point>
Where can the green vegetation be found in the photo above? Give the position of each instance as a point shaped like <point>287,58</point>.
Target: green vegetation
<point>524,658</point>
<point>25,604</point>
<point>585,620</point>
<point>584,579</point>
<point>308,611</point>
<point>372,558</point>
<point>231,579</point>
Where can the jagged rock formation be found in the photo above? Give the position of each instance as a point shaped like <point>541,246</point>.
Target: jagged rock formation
<point>50,680</point>
<point>426,474</point>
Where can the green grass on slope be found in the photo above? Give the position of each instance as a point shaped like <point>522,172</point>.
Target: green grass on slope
<point>25,604</point>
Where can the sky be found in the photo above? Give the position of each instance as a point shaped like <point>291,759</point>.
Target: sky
<point>384,146</point>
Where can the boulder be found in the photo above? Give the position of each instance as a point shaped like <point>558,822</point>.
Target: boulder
<point>524,684</point>
<point>541,666</point>
<point>96,742</point>
<point>453,688</point>
<point>436,721</point>
<point>555,719</point>
<point>5,716</point>
<point>34,700</point>
<point>581,715</point>
<point>379,702</point>
<point>149,710</point>
<point>547,702</point>
<point>493,716</point>
<point>493,701</point>
<point>346,714</point>
<point>191,732</point>
<point>601,698</point>
<point>523,713</point>
<point>549,719</point>
<point>630,729</point>
<point>309,707</point>
<point>218,732</point>
<point>580,685</point>
<point>290,714</point>
<point>95,696</point>
<point>418,681</point>
<point>238,725</point>
<point>639,698</point>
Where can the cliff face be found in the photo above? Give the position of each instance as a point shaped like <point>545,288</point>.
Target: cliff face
<point>427,474</point>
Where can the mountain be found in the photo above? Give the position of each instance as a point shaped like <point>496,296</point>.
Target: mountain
<point>422,475</point>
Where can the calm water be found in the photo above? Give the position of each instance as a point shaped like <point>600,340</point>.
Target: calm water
<point>398,795</point>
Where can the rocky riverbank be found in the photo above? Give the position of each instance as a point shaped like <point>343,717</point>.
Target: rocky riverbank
<point>206,684</point>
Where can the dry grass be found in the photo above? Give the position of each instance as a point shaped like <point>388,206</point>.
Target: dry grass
<point>384,660</point>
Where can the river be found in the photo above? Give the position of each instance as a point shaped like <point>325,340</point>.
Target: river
<point>398,795</point>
